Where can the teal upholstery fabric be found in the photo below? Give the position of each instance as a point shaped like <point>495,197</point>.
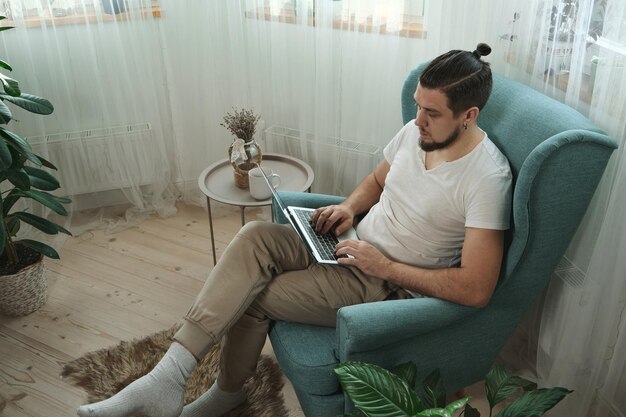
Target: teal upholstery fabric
<point>557,157</point>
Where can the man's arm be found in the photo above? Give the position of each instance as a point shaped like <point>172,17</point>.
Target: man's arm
<point>365,195</point>
<point>471,284</point>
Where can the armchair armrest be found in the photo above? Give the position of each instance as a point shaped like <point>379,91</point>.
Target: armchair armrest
<point>365,327</point>
<point>309,200</point>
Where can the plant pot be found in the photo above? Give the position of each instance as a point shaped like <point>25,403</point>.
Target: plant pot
<point>25,291</point>
<point>253,157</point>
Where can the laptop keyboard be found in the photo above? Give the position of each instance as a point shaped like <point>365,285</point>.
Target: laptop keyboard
<point>325,244</point>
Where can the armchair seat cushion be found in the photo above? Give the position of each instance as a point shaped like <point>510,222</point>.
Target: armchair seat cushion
<point>307,354</point>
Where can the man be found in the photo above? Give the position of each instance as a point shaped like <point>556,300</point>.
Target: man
<point>436,208</point>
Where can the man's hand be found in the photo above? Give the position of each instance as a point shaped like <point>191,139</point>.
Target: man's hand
<point>365,257</point>
<point>338,217</point>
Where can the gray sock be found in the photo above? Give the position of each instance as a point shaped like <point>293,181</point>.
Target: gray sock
<point>214,403</point>
<point>160,393</point>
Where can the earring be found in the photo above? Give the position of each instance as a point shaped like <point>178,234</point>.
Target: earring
<point>465,125</point>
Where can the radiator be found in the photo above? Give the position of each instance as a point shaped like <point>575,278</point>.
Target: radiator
<point>101,159</point>
<point>339,164</point>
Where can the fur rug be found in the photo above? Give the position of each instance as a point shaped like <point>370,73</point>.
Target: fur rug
<point>106,371</point>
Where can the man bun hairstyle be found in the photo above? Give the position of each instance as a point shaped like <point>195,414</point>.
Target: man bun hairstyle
<point>462,76</point>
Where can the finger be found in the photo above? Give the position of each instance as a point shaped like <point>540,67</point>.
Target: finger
<point>342,244</point>
<point>342,227</point>
<point>328,224</point>
<point>321,220</point>
<point>347,242</point>
<point>346,250</point>
<point>316,213</point>
<point>328,220</point>
<point>347,261</point>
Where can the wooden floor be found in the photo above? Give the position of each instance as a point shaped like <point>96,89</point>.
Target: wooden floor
<point>107,288</point>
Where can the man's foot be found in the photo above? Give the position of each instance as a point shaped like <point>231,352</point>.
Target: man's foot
<point>214,403</point>
<point>160,393</point>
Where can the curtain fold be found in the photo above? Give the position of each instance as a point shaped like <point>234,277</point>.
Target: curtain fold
<point>109,135</point>
<point>575,51</point>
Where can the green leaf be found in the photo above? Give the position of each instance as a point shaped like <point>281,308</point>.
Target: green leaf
<point>19,179</point>
<point>434,389</point>
<point>3,64</point>
<point>500,385</point>
<point>46,199</point>
<point>5,113</point>
<point>41,179</point>
<point>21,145</point>
<point>15,139</point>
<point>40,223</point>
<point>3,231</point>
<point>448,411</point>
<point>9,201</point>
<point>2,28</point>
<point>63,200</point>
<point>46,163</point>
<point>534,403</point>
<point>11,87</point>
<point>432,412</point>
<point>408,372</point>
<point>376,391</point>
<point>5,156</point>
<point>470,411</point>
<point>457,405</point>
<point>33,104</point>
<point>41,248</point>
<point>13,225</point>
<point>525,384</point>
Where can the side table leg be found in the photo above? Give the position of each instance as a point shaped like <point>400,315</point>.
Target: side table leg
<point>208,204</point>
<point>243,217</point>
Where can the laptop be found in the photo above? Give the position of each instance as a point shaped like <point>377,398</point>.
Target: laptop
<point>321,246</point>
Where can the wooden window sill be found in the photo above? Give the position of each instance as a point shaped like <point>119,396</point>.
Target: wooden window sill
<point>88,16</point>
<point>410,27</point>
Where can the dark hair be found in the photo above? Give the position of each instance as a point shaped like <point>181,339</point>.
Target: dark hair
<point>462,76</point>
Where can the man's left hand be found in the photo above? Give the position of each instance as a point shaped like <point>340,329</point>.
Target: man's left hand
<point>364,256</point>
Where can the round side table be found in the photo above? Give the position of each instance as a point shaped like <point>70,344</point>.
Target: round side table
<point>217,183</point>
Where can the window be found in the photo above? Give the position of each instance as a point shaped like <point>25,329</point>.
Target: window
<point>35,13</point>
<point>393,17</point>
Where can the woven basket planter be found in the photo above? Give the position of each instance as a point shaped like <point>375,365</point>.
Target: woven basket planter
<point>24,292</point>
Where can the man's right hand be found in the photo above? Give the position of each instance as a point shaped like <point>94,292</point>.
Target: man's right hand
<point>338,217</point>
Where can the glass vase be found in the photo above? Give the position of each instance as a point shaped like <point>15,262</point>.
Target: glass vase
<point>243,157</point>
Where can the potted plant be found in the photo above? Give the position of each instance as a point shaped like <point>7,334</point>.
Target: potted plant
<point>378,392</point>
<point>244,153</point>
<point>22,280</point>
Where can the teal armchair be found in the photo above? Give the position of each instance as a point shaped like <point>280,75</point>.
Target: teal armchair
<point>557,157</point>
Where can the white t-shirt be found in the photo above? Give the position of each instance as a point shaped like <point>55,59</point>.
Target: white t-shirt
<point>422,214</point>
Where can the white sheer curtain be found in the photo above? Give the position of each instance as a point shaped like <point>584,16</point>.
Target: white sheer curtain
<point>327,70</point>
<point>575,51</point>
<point>110,134</point>
<point>331,73</point>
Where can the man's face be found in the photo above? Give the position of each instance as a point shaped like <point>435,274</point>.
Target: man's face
<point>436,122</point>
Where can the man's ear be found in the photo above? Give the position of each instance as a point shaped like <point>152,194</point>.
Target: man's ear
<point>471,115</point>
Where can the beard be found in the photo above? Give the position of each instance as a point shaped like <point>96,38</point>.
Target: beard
<point>433,146</point>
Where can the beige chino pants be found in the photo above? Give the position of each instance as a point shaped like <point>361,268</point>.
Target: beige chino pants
<point>266,273</point>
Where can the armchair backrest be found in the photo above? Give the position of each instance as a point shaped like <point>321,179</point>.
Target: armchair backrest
<point>557,157</point>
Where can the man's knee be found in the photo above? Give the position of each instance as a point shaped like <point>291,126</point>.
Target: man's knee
<point>260,229</point>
